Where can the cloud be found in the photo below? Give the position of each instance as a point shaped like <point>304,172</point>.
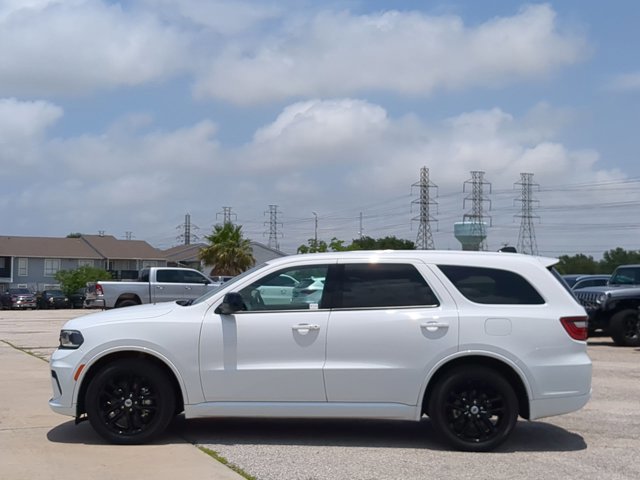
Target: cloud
<point>79,46</point>
<point>628,82</point>
<point>22,127</point>
<point>337,53</point>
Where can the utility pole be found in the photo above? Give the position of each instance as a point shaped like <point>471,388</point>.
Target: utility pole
<point>424,239</point>
<point>226,215</point>
<point>315,230</point>
<point>527,236</point>
<point>186,237</point>
<point>476,216</point>
<point>273,226</point>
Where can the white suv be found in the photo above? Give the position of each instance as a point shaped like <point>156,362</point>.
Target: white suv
<point>470,339</point>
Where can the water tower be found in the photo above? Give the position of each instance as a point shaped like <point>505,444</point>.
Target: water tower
<point>472,231</point>
<point>470,234</point>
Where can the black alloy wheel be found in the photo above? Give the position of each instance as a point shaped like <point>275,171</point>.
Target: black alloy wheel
<point>473,408</point>
<point>130,402</point>
<point>624,328</point>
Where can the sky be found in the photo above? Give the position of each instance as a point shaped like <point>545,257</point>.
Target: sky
<point>123,117</point>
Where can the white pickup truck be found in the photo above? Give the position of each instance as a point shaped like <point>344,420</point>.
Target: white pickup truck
<point>154,285</point>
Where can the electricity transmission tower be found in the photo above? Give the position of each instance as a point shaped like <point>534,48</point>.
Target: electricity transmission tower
<point>527,236</point>
<point>476,216</point>
<point>226,215</point>
<point>128,235</point>
<point>424,239</point>
<point>273,226</point>
<point>186,237</point>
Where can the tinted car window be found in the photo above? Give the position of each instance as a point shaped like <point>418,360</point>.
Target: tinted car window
<point>268,293</point>
<point>491,286</point>
<point>167,276</point>
<point>192,277</point>
<point>383,285</point>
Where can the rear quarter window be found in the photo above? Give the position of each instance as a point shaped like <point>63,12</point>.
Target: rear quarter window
<point>491,285</point>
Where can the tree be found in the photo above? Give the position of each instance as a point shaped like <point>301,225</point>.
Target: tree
<point>313,246</point>
<point>73,280</point>
<point>229,252</point>
<point>579,263</point>
<point>619,256</point>
<point>386,243</point>
<point>364,243</point>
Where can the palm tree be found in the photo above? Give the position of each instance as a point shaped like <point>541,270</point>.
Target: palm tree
<point>228,252</point>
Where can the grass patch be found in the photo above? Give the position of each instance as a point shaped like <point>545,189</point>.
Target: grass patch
<point>39,356</point>
<point>224,461</point>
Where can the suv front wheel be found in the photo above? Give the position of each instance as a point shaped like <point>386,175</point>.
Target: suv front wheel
<point>130,402</point>
<point>473,408</point>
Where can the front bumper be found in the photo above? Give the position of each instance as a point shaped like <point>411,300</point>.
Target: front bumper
<point>64,364</point>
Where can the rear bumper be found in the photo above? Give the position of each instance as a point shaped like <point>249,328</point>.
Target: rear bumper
<point>549,407</point>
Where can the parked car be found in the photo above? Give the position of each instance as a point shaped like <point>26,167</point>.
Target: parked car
<point>18,298</point>
<point>277,290</point>
<point>308,290</point>
<point>77,299</point>
<point>613,308</point>
<point>585,281</point>
<point>53,299</point>
<point>220,279</point>
<point>154,284</point>
<point>471,339</point>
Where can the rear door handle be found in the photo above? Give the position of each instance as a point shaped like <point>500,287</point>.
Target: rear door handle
<point>433,326</point>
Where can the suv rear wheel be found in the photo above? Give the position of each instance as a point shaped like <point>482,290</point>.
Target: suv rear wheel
<point>473,408</point>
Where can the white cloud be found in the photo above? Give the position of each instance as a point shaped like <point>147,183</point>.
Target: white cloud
<point>22,127</point>
<point>333,54</point>
<point>628,82</point>
<point>79,46</point>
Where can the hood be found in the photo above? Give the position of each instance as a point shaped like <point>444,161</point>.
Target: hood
<point>138,312</point>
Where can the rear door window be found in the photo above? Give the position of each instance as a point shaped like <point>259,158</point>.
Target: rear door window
<point>378,285</point>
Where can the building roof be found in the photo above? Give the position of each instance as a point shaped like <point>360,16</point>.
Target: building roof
<point>90,247</point>
<point>112,248</point>
<point>46,247</point>
<point>184,253</point>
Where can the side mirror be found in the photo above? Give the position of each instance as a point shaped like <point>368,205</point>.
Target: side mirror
<point>231,303</point>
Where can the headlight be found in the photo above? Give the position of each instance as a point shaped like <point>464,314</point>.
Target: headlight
<point>70,339</point>
<point>602,299</point>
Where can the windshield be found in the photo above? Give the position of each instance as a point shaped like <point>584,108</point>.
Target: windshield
<point>19,291</point>
<point>625,276</point>
<point>232,281</point>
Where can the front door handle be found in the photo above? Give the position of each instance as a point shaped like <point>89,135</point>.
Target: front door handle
<point>305,327</point>
<point>433,326</point>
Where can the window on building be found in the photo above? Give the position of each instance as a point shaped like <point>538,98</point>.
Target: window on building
<point>51,266</point>
<point>23,267</point>
<point>86,263</point>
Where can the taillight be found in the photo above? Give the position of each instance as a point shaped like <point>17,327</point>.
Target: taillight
<point>99,290</point>
<point>576,327</point>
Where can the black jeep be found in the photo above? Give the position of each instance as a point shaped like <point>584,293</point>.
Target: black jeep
<point>613,309</point>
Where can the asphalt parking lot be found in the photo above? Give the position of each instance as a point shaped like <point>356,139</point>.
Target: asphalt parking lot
<point>602,441</point>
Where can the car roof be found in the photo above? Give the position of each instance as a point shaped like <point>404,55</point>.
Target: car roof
<point>454,257</point>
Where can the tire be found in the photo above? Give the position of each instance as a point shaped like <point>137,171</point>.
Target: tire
<point>126,303</point>
<point>624,328</point>
<point>130,402</point>
<point>473,408</point>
